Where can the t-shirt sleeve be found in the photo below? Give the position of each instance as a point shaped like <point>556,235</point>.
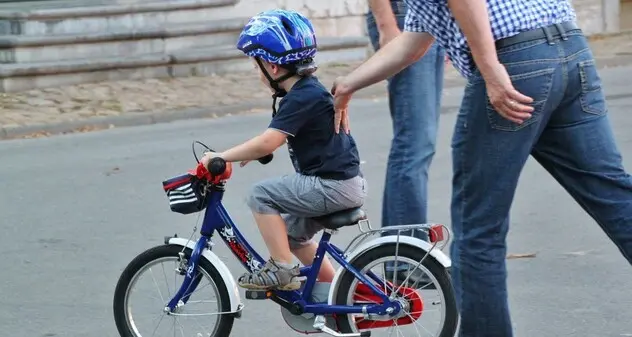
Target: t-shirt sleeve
<point>291,116</point>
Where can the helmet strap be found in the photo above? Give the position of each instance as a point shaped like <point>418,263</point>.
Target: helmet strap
<point>274,83</point>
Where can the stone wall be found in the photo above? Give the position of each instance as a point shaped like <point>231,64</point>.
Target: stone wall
<point>330,17</point>
<point>345,17</point>
<point>597,16</point>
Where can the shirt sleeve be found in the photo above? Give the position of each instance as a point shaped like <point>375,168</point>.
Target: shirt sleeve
<point>291,116</point>
<point>412,23</point>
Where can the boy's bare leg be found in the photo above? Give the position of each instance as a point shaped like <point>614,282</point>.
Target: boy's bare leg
<point>306,255</point>
<point>274,233</point>
<point>278,272</point>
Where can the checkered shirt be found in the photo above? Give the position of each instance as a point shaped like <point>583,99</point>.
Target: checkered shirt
<point>507,18</point>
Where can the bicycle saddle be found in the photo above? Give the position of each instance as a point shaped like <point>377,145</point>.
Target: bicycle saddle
<point>344,218</point>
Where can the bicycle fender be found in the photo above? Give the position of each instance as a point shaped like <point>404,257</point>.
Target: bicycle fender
<point>236,304</point>
<point>436,253</point>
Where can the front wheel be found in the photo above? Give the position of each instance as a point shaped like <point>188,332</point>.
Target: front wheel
<point>155,273</point>
<point>425,293</point>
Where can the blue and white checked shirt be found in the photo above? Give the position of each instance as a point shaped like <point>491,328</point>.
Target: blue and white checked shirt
<point>508,18</point>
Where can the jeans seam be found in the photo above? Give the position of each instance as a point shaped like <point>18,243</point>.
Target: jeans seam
<point>399,176</point>
<point>461,212</point>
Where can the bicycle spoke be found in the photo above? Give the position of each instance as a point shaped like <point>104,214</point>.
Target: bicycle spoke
<point>415,322</point>
<point>156,284</point>
<point>160,321</point>
<point>164,273</point>
<point>185,321</point>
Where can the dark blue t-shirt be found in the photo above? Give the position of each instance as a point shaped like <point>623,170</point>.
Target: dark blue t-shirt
<point>306,114</point>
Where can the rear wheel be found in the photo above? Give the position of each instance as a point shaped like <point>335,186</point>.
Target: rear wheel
<point>426,294</point>
<point>157,267</point>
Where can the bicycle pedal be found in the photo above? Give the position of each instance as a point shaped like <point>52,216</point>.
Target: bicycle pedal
<point>258,294</point>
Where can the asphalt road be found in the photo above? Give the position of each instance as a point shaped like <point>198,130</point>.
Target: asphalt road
<point>76,209</point>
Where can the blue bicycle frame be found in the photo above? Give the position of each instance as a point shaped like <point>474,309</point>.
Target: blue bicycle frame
<point>216,218</point>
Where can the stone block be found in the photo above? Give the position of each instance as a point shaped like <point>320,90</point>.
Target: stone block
<point>96,16</point>
<point>186,62</point>
<point>20,77</point>
<point>314,9</point>
<point>122,43</point>
<point>349,26</point>
<point>589,15</point>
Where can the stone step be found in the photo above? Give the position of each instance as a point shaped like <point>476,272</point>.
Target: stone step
<point>121,43</point>
<point>92,16</point>
<point>179,63</point>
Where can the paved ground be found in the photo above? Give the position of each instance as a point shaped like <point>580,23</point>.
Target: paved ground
<point>215,95</point>
<point>77,208</point>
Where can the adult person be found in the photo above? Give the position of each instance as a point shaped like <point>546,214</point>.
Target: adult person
<point>414,96</point>
<point>532,88</point>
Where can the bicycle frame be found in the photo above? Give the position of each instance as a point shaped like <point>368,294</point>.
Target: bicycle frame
<point>216,218</point>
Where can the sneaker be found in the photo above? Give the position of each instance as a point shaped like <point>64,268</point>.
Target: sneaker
<point>273,275</point>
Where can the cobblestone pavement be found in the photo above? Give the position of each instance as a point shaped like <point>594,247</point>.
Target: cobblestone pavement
<point>77,102</point>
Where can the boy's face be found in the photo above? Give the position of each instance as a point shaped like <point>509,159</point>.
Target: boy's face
<point>273,70</point>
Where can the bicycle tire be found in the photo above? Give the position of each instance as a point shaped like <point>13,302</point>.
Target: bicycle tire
<point>225,323</point>
<point>430,263</point>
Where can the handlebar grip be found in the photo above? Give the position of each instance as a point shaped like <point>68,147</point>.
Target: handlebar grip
<point>266,159</point>
<point>216,166</point>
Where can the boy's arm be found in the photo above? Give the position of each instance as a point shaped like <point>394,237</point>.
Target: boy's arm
<point>287,122</point>
<point>255,148</point>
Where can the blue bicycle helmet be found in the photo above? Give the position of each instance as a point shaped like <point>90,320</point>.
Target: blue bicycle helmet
<point>282,37</point>
<point>279,36</point>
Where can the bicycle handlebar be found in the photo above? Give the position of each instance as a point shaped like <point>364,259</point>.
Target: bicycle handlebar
<point>217,165</point>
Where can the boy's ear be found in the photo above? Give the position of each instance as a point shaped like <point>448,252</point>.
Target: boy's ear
<point>274,68</point>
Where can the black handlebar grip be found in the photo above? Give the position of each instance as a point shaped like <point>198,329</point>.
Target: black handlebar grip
<point>216,166</point>
<point>266,159</point>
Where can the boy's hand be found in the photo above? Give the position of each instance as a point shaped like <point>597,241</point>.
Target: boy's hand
<point>208,156</point>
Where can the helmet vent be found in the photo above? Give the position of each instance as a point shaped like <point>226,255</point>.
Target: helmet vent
<point>287,25</point>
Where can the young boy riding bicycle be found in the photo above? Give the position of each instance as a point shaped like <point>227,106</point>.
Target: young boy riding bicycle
<point>282,45</point>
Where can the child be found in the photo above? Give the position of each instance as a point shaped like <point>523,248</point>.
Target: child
<point>327,179</point>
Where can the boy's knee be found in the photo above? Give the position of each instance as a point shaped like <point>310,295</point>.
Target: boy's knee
<point>259,200</point>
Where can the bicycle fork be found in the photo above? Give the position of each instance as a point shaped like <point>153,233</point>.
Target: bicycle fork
<point>189,269</point>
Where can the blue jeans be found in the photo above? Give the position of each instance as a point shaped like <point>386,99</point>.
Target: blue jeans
<point>414,100</point>
<point>569,134</point>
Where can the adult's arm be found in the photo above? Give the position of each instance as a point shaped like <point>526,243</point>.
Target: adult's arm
<point>473,19</point>
<point>403,51</point>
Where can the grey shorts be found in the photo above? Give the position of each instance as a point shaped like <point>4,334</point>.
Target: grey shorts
<point>297,198</point>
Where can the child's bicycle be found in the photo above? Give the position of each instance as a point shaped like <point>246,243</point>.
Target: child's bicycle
<point>357,301</point>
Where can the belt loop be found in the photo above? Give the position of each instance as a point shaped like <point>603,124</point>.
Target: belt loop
<point>549,37</point>
<point>562,31</point>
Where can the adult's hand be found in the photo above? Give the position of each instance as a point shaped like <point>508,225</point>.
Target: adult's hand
<point>401,52</point>
<point>505,99</point>
<point>342,96</point>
